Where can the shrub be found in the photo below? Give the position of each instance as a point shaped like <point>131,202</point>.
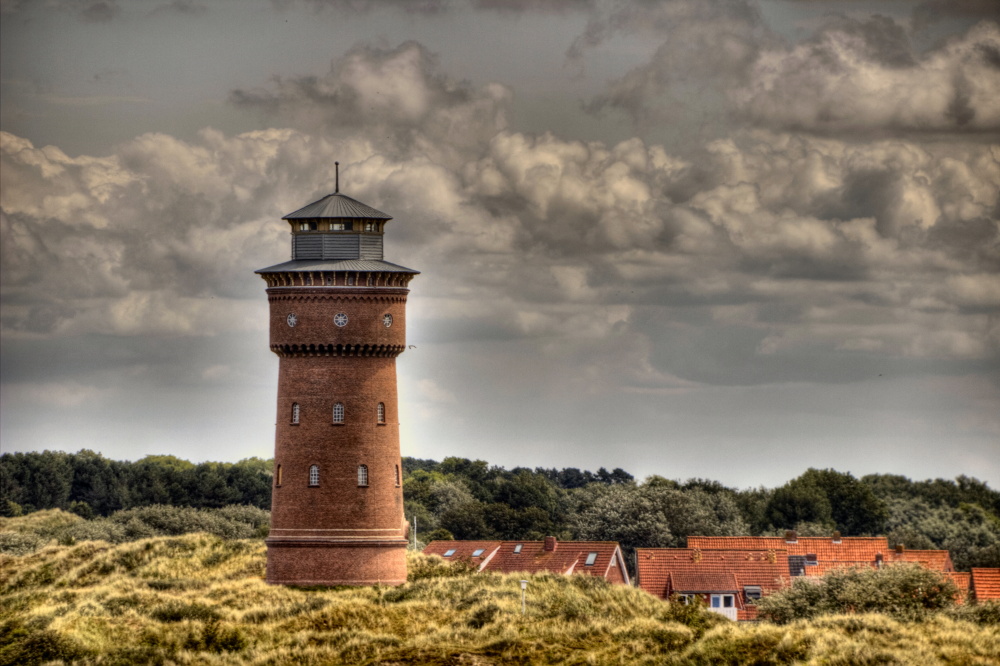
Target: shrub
<point>905,592</point>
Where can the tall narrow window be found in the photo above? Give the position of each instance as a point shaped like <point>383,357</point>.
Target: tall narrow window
<point>338,413</point>
<point>397,477</point>
<point>277,476</point>
<point>350,279</point>
<point>295,412</point>
<point>381,412</point>
<point>362,475</point>
<point>314,475</point>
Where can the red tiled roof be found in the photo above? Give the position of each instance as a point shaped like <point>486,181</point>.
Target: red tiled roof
<point>962,580</point>
<point>463,550</point>
<point>830,554</point>
<point>986,584</point>
<point>568,557</point>
<point>936,560</point>
<point>703,581</point>
<point>664,571</point>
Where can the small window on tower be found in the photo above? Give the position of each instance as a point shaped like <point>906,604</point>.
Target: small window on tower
<point>397,477</point>
<point>295,412</point>
<point>338,413</point>
<point>381,413</point>
<point>336,226</point>
<point>308,280</point>
<point>314,475</point>
<point>362,475</point>
<point>329,279</point>
<point>277,476</point>
<point>350,279</point>
<point>369,226</point>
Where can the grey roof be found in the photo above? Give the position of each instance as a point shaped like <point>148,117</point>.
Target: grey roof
<point>360,265</point>
<point>338,206</point>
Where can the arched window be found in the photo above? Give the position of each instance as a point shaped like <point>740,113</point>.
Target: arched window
<point>381,412</point>
<point>314,475</point>
<point>277,476</point>
<point>362,475</point>
<point>295,412</point>
<point>397,476</point>
<point>338,413</point>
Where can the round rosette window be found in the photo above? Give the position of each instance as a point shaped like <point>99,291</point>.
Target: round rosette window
<point>387,320</point>
<point>292,319</point>
<point>340,319</point>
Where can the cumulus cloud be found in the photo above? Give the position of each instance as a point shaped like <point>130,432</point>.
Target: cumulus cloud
<point>620,257</point>
<point>705,47</point>
<point>400,97</point>
<point>863,76</point>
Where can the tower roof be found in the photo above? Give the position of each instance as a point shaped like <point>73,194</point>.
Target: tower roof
<point>338,206</point>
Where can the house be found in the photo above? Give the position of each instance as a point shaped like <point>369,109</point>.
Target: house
<point>986,584</point>
<point>475,553</point>
<point>727,580</point>
<point>594,558</point>
<point>815,556</point>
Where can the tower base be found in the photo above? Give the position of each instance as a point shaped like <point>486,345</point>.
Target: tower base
<point>335,562</point>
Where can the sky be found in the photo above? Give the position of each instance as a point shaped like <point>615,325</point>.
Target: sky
<point>727,239</point>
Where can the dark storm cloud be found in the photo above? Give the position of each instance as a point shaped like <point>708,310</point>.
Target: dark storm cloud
<point>96,11</point>
<point>366,6</point>
<point>535,6</point>
<point>934,11</point>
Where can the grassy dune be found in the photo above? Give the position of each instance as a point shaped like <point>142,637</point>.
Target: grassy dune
<point>201,599</point>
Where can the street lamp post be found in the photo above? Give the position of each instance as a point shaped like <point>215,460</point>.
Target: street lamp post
<point>524,586</point>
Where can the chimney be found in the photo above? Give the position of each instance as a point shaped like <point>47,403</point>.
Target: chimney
<point>550,544</point>
<point>878,560</point>
<point>900,548</point>
<point>772,556</point>
<point>836,537</point>
<point>791,536</point>
<point>696,555</point>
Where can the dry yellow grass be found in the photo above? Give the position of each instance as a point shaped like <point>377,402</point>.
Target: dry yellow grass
<point>199,599</point>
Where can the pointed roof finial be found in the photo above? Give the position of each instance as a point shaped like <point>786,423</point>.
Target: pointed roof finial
<point>337,167</point>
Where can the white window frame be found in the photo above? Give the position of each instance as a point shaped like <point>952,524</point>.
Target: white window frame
<point>296,413</point>
<point>338,412</point>
<point>380,413</point>
<point>314,476</point>
<point>362,476</point>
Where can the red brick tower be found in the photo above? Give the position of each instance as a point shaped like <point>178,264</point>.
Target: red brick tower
<point>338,321</point>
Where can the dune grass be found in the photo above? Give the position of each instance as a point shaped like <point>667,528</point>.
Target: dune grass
<point>201,599</point>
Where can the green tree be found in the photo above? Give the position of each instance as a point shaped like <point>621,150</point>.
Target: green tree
<point>829,498</point>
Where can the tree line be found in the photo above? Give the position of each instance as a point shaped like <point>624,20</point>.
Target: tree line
<point>470,499</point>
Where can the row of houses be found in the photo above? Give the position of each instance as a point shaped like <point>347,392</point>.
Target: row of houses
<point>726,573</point>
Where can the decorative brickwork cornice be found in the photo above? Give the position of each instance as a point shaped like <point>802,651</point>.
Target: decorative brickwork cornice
<point>383,351</point>
<point>303,296</point>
